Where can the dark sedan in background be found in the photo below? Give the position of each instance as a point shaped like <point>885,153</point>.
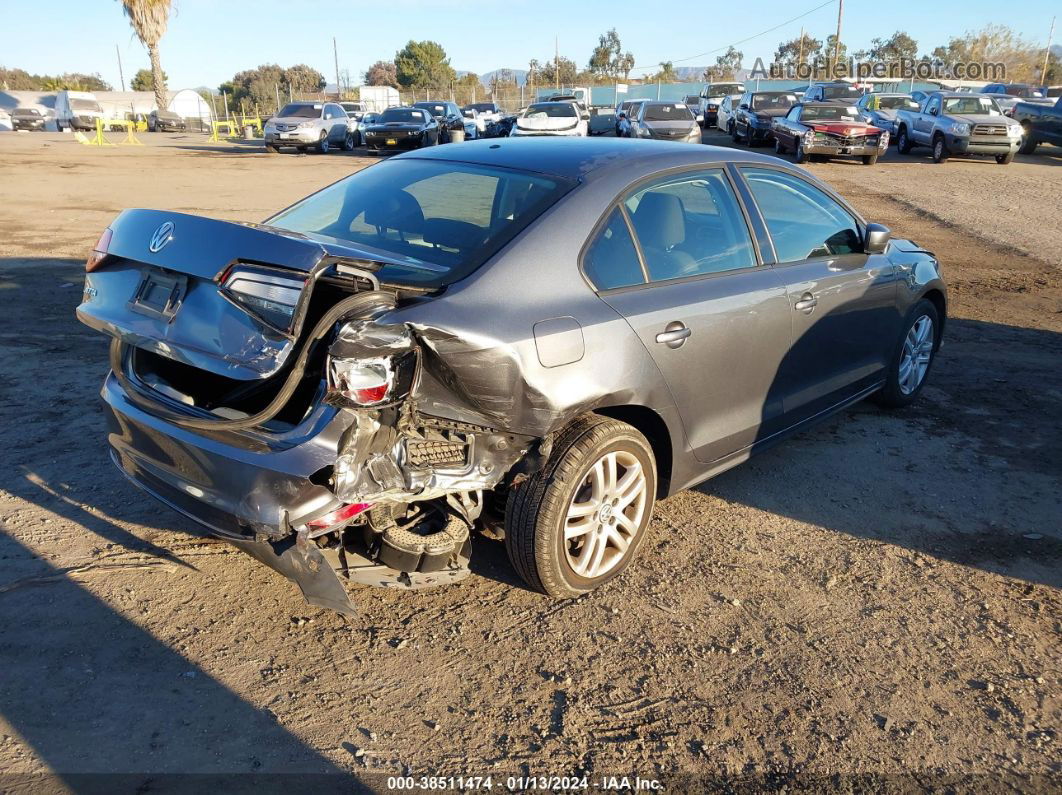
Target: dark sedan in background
<point>542,335</point>
<point>828,129</point>
<point>754,119</point>
<point>165,121</point>
<point>27,119</point>
<point>399,129</point>
<point>448,115</point>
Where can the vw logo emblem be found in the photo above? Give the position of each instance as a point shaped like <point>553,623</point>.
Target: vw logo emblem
<point>162,236</point>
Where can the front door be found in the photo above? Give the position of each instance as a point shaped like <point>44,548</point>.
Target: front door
<point>714,320</point>
<point>842,301</point>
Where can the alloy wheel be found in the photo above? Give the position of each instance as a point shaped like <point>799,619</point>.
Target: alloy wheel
<point>605,514</point>
<point>917,352</point>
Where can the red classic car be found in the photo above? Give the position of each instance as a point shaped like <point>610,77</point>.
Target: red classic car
<point>828,129</point>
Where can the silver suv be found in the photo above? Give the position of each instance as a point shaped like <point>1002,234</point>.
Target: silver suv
<point>309,125</point>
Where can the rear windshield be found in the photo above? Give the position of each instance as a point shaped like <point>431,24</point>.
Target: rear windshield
<point>840,92</point>
<point>555,110</point>
<point>973,105</point>
<point>692,99</point>
<point>837,112</point>
<point>435,109</point>
<point>896,103</point>
<point>441,218</point>
<point>403,114</point>
<point>772,101</point>
<point>670,111</point>
<point>351,107</point>
<point>301,111</point>
<point>1024,91</point>
<point>483,107</point>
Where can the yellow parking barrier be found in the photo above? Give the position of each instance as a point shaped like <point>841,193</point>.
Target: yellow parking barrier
<point>129,126</point>
<point>81,139</point>
<point>255,122</point>
<point>98,139</point>
<point>230,128</point>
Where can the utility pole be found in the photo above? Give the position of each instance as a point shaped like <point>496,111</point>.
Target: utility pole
<point>837,40</point>
<point>335,54</point>
<point>121,77</point>
<point>1047,53</point>
<point>556,62</point>
<point>800,58</point>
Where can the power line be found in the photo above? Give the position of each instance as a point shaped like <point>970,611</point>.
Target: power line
<point>750,38</point>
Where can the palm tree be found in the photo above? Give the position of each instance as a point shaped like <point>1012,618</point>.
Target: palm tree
<point>149,19</point>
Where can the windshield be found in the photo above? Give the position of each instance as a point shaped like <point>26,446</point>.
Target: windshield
<point>772,101</point>
<point>554,110</point>
<point>895,103</point>
<point>26,112</point>
<point>403,115</point>
<point>829,113</point>
<point>840,92</point>
<point>1023,91</point>
<point>85,104</point>
<point>692,99</point>
<point>351,107</point>
<point>441,218</point>
<point>728,89</point>
<point>297,111</point>
<point>985,106</point>
<point>671,111</point>
<point>483,107</point>
<point>434,108</point>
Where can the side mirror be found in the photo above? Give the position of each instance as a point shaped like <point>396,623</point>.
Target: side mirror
<point>876,239</point>
<point>743,106</point>
<point>700,118</point>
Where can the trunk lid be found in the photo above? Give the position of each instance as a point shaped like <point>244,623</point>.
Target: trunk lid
<point>160,289</point>
<point>545,123</point>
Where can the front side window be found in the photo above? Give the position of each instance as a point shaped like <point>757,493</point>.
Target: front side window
<point>690,226</point>
<point>804,223</point>
<point>436,221</point>
<point>612,261</point>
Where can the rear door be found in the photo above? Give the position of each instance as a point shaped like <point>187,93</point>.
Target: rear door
<point>692,286</point>
<point>842,302</point>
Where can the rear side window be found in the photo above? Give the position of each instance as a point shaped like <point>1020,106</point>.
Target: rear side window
<point>690,226</point>
<point>804,223</point>
<point>612,261</point>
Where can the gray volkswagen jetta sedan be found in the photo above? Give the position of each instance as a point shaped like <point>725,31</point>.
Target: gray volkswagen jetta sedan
<point>539,337</point>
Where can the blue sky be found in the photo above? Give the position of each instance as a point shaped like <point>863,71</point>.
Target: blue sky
<point>210,40</point>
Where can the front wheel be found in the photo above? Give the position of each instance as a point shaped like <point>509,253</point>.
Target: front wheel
<point>1028,143</point>
<point>910,363</point>
<point>903,143</point>
<point>578,522</point>
<point>799,155</point>
<point>322,143</point>
<point>940,149</point>
<point>1005,159</point>
<point>870,160</point>
<point>779,147</point>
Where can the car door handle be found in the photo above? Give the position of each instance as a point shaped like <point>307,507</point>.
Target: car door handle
<point>674,334</point>
<point>806,303</point>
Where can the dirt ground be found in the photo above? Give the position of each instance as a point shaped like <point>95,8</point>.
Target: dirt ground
<point>876,601</point>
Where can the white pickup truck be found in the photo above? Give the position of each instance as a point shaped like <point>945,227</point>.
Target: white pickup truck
<point>711,97</point>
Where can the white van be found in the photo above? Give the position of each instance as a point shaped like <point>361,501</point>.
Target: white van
<point>77,110</point>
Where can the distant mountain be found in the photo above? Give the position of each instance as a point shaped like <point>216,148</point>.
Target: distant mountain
<point>690,73</point>
<point>519,74</point>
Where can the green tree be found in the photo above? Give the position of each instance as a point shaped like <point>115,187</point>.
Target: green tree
<point>142,80</point>
<point>667,73</point>
<point>728,64</point>
<point>423,64</point>
<point>797,51</point>
<point>303,79</point>
<point>898,45</point>
<point>381,73</point>
<point>148,19</point>
<point>559,71</point>
<point>608,59</point>
<point>74,81</point>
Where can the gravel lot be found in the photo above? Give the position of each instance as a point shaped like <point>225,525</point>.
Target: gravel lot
<point>876,601</point>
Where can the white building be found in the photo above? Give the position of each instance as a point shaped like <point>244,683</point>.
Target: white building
<point>185,102</point>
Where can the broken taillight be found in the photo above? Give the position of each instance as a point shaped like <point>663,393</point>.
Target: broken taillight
<point>99,251</point>
<point>362,382</point>
<point>344,514</point>
<point>271,294</point>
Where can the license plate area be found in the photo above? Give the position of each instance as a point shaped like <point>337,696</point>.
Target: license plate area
<point>391,142</point>
<point>159,294</point>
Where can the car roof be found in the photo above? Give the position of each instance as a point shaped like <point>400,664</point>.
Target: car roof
<point>819,104</point>
<point>580,158</point>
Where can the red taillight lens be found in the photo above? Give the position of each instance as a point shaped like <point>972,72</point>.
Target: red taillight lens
<point>99,252</point>
<point>361,382</point>
<point>344,514</point>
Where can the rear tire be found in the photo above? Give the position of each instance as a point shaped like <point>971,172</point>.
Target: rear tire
<point>799,155</point>
<point>559,534</point>
<point>734,133</point>
<point>779,147</point>
<point>1028,143</point>
<point>750,137</point>
<point>899,389</point>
